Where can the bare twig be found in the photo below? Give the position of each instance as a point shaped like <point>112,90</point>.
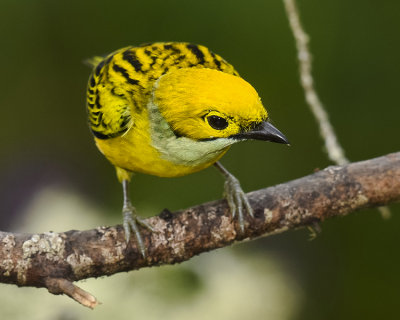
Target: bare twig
<point>63,286</point>
<point>333,148</point>
<point>332,145</point>
<point>55,260</point>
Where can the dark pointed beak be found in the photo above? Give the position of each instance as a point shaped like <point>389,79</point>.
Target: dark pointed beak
<point>264,131</point>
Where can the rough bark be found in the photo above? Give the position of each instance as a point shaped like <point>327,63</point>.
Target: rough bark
<point>55,260</point>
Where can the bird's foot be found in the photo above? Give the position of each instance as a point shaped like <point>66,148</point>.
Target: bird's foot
<point>237,199</point>
<point>131,222</point>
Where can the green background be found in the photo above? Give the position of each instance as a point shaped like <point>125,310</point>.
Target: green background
<point>350,271</point>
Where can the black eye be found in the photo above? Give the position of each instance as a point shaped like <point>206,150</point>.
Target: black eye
<point>217,123</point>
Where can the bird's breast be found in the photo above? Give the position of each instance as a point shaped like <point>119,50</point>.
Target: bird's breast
<point>141,150</point>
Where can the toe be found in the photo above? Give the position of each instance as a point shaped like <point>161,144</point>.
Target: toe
<point>130,223</point>
<point>248,207</point>
<point>145,224</point>
<point>240,212</point>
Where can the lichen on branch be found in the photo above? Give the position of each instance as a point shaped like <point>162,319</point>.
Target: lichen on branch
<point>56,260</point>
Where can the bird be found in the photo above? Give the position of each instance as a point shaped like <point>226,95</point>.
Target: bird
<point>170,109</point>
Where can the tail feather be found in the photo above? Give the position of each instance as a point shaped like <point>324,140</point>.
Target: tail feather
<point>93,62</point>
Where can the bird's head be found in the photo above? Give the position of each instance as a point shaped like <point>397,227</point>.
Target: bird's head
<point>206,104</point>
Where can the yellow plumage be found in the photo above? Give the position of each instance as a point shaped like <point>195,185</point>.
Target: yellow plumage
<point>171,109</point>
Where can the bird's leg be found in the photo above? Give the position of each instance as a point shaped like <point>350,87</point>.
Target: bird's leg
<point>235,196</point>
<point>131,220</point>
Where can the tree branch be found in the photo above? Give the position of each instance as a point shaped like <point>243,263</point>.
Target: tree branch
<point>55,260</point>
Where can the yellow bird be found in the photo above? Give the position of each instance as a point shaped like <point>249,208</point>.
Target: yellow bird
<point>171,109</point>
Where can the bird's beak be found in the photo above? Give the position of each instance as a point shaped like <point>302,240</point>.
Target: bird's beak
<point>264,131</point>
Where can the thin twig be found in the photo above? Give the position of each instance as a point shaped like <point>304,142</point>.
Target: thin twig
<point>332,145</point>
<point>63,286</point>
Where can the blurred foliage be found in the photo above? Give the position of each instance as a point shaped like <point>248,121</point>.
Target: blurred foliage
<point>349,271</point>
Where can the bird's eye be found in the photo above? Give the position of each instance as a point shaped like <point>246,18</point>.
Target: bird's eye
<point>217,123</point>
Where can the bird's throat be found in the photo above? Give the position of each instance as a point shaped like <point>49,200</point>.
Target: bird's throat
<point>181,150</point>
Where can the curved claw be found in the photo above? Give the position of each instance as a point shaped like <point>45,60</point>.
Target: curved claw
<point>237,199</point>
<point>131,221</point>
